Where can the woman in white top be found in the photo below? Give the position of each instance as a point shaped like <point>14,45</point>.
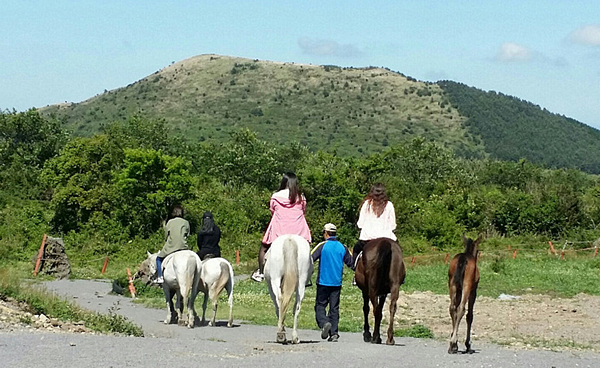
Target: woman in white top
<point>377,218</point>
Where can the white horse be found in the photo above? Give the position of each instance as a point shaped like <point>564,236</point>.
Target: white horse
<point>288,264</point>
<point>216,274</point>
<point>181,272</point>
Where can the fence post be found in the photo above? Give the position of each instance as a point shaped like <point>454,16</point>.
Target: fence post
<point>447,257</point>
<point>39,257</point>
<point>515,254</point>
<point>237,257</point>
<point>105,265</point>
<point>413,260</point>
<point>131,287</point>
<point>595,252</point>
<point>552,248</point>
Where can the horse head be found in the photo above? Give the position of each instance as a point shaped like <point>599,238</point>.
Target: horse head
<point>147,269</point>
<point>472,246</point>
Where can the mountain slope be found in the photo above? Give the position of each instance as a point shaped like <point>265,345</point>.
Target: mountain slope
<point>208,96</point>
<point>512,129</point>
<point>350,110</point>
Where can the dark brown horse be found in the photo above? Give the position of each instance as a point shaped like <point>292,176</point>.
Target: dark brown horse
<point>379,272</point>
<point>463,278</point>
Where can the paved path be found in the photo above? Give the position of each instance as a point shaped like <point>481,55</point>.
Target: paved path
<point>242,345</point>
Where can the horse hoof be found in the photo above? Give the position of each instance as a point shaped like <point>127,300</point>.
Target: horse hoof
<point>390,342</point>
<point>367,337</point>
<point>211,324</point>
<point>453,349</point>
<point>376,341</point>
<point>281,337</point>
<point>295,340</point>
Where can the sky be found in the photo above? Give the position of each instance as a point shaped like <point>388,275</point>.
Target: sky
<point>545,52</point>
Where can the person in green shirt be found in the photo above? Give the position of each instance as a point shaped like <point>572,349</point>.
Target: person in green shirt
<point>177,230</point>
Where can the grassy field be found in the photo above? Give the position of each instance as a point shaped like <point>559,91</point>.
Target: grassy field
<point>533,273</point>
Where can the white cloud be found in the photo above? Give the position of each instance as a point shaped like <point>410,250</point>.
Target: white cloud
<point>586,35</point>
<point>327,48</point>
<point>510,52</point>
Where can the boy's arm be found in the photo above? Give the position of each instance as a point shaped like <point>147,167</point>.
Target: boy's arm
<point>316,252</point>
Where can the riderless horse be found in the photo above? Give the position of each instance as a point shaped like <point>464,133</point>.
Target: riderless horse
<point>380,271</point>
<point>288,266</point>
<point>463,279</point>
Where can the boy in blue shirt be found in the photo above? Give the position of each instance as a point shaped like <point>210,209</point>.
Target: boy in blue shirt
<point>332,256</point>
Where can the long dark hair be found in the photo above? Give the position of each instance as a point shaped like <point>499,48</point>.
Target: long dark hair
<point>208,223</point>
<point>290,181</point>
<point>377,199</point>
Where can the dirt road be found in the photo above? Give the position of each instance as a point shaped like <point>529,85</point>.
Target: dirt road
<point>243,345</point>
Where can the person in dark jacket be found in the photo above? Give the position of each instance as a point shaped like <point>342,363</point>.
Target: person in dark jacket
<point>208,238</point>
<point>332,256</point>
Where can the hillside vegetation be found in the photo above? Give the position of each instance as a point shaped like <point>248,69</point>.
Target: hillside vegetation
<point>352,111</point>
<point>512,129</point>
<point>209,96</point>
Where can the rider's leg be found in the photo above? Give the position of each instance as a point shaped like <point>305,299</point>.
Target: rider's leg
<point>159,266</point>
<point>360,244</point>
<point>261,257</point>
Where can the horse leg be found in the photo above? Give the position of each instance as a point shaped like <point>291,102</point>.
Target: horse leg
<point>204,303</point>
<point>459,312</point>
<point>472,297</point>
<point>214,300</point>
<point>191,309</point>
<point>378,303</point>
<point>366,333</point>
<point>171,317</point>
<point>393,304</point>
<point>229,289</point>
<point>299,297</point>
<point>275,292</point>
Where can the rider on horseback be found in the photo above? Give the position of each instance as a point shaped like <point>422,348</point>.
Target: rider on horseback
<point>287,206</point>
<point>377,219</point>
<point>177,230</point>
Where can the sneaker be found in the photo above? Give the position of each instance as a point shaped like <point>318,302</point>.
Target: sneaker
<point>325,330</point>
<point>333,338</point>
<point>257,276</point>
<point>159,280</point>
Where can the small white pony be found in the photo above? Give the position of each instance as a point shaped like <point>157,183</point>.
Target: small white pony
<point>216,274</point>
<point>181,271</point>
<point>288,264</point>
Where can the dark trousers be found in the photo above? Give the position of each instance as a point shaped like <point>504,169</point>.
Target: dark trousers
<point>328,295</point>
<point>360,244</point>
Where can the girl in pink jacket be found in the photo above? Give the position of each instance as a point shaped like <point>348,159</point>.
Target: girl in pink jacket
<point>287,208</point>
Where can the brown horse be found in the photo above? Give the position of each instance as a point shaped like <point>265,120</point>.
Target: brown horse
<point>463,278</point>
<point>380,271</point>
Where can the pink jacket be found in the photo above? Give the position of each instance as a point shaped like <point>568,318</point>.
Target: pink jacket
<point>287,218</point>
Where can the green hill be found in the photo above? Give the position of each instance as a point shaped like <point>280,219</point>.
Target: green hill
<point>351,110</point>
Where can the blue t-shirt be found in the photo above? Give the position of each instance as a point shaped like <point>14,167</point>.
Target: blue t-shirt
<point>331,255</point>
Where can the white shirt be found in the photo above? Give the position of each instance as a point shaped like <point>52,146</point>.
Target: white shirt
<point>373,227</point>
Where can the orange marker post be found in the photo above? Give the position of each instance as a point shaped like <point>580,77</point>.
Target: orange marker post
<point>447,257</point>
<point>39,257</point>
<point>237,257</point>
<point>595,252</point>
<point>413,260</point>
<point>105,265</point>
<point>515,254</point>
<point>562,255</point>
<point>552,248</point>
<point>131,287</point>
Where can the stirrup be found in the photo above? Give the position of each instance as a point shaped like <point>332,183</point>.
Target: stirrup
<point>257,276</point>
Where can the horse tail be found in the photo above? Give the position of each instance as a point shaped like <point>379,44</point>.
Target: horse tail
<point>384,260</point>
<point>290,272</point>
<point>191,278</point>
<point>459,276</point>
